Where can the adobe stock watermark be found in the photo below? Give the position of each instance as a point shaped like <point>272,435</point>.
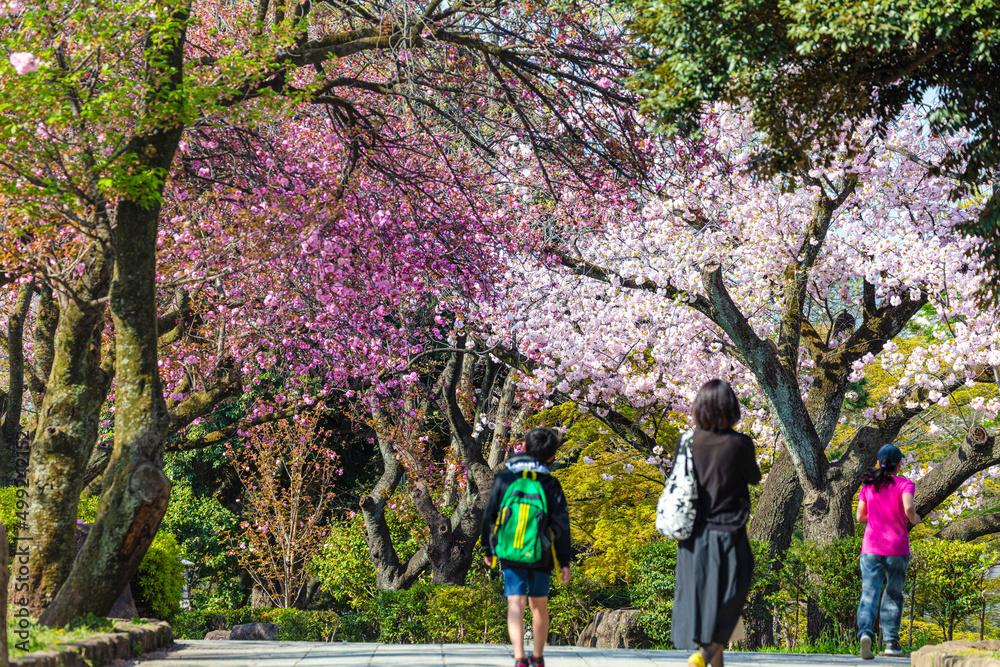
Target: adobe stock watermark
<point>19,558</point>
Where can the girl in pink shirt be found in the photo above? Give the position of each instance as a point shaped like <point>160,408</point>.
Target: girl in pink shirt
<point>886,503</point>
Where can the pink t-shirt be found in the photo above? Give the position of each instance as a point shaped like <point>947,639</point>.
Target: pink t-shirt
<point>885,534</point>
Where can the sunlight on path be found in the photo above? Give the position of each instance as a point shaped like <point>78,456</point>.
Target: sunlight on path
<point>304,654</point>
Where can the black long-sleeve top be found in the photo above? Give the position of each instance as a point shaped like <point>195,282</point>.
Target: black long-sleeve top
<point>726,466</point>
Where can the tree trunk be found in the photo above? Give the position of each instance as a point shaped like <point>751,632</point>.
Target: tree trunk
<point>64,437</point>
<point>136,490</point>
<point>773,523</point>
<point>10,432</point>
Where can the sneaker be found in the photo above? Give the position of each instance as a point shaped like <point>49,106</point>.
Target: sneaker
<point>893,648</point>
<point>521,662</point>
<point>866,648</point>
<point>537,662</point>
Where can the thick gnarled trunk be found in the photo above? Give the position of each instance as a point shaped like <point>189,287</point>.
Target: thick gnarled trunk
<point>64,437</point>
<point>135,490</point>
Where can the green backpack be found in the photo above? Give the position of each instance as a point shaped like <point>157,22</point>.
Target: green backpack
<point>519,533</point>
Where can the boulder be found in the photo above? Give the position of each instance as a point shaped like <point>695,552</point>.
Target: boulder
<point>219,634</point>
<point>617,628</point>
<point>267,632</point>
<point>958,654</point>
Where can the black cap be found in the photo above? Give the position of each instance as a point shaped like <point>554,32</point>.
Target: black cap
<point>889,456</point>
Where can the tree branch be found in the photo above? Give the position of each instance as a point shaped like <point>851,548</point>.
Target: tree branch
<point>972,528</point>
<point>978,452</point>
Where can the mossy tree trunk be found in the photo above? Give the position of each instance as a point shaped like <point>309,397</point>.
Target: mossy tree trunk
<point>122,265</point>
<point>67,428</point>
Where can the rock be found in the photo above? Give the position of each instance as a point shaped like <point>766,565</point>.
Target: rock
<point>958,654</point>
<point>219,634</point>
<point>617,628</point>
<point>255,631</point>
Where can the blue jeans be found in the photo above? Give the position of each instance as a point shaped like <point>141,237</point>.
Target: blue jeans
<point>876,570</point>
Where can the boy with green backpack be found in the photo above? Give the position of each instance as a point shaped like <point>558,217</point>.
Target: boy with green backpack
<point>526,528</point>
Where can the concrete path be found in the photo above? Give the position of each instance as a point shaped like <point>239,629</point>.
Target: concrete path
<point>191,653</point>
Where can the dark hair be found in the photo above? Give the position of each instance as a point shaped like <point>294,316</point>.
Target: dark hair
<point>879,478</point>
<point>716,407</point>
<point>889,458</point>
<point>541,443</point>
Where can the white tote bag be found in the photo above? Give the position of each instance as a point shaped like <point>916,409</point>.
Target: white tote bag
<point>675,511</point>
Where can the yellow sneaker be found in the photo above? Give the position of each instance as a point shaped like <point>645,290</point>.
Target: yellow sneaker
<point>696,660</point>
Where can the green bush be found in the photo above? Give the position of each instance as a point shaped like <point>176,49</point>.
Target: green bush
<point>401,616</point>
<point>950,578</point>
<point>463,614</point>
<point>653,592</point>
<point>160,579</point>
<point>293,624</point>
<point>198,522</point>
<point>344,567</point>
<point>833,579</point>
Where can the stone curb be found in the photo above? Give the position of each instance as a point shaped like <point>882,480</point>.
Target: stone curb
<point>104,648</point>
<point>957,654</point>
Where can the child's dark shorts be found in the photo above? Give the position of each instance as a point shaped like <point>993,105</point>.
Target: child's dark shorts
<point>518,581</point>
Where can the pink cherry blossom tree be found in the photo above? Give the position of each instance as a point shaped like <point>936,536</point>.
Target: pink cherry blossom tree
<point>199,190</point>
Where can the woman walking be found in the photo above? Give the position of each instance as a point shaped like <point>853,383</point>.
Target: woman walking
<point>886,503</point>
<point>715,564</point>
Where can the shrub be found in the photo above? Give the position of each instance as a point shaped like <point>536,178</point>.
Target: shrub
<point>401,616</point>
<point>653,592</point>
<point>160,578</point>
<point>950,580</point>
<point>293,624</point>
<point>463,614</point>
<point>197,522</point>
<point>572,607</point>
<point>834,579</point>
<point>344,566</point>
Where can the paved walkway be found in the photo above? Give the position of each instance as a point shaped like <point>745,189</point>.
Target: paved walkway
<point>305,654</point>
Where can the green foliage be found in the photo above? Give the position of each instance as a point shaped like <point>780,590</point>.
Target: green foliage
<point>833,578</point>
<point>807,67</point>
<point>161,577</point>
<point>401,616</point>
<point>950,578</point>
<point>293,624</point>
<point>198,522</point>
<point>653,592</point>
<point>344,567</point>
<point>468,614</point>
<point>572,607</point>
<point>609,518</point>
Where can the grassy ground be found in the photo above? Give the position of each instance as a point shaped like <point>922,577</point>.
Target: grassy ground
<point>41,638</point>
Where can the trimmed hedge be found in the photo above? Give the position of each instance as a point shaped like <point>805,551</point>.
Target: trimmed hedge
<point>293,624</point>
